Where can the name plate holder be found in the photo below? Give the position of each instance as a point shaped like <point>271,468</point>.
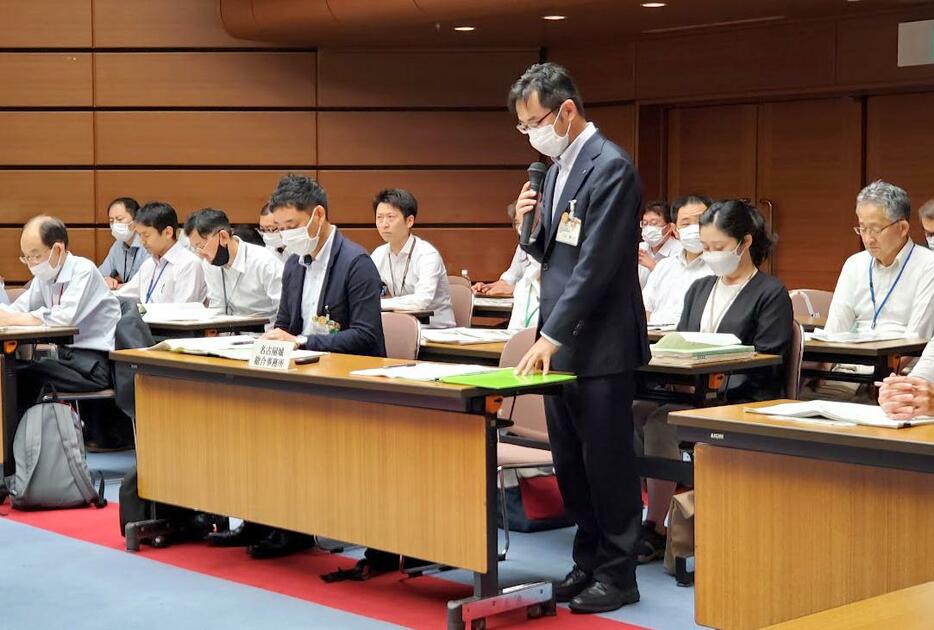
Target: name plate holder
<point>272,355</point>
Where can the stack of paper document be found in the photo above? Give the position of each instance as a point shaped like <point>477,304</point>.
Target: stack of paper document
<point>425,371</point>
<point>504,302</point>
<point>466,335</point>
<point>235,347</point>
<point>177,312</point>
<point>863,336</point>
<point>663,327</point>
<point>838,414</point>
<point>694,346</point>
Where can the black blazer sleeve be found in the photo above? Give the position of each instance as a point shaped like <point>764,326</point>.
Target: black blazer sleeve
<point>283,315</point>
<point>613,217</point>
<point>363,333</point>
<point>773,321</point>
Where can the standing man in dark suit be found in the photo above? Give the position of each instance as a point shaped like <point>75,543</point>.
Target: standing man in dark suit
<point>330,302</point>
<point>591,323</point>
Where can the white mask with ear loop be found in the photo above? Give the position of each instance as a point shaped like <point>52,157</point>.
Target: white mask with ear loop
<point>690,238</point>
<point>45,271</point>
<point>723,263</point>
<point>546,140</point>
<point>297,241</point>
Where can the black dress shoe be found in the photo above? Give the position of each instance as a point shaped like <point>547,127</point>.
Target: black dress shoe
<point>601,597</point>
<point>280,543</point>
<point>572,584</point>
<point>247,534</point>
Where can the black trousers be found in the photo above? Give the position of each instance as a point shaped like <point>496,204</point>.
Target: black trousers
<point>590,429</point>
<point>75,370</point>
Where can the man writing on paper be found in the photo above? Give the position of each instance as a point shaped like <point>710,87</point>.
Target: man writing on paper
<point>242,279</point>
<point>126,255</point>
<point>411,269</point>
<point>66,290</point>
<point>592,323</point>
<point>173,274</point>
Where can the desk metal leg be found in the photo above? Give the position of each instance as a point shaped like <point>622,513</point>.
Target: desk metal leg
<point>8,396</point>
<point>488,600</point>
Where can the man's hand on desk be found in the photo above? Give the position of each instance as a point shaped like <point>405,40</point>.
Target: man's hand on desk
<point>538,357</point>
<point>499,288</point>
<point>904,397</point>
<point>278,334</point>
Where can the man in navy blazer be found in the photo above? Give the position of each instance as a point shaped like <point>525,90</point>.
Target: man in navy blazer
<point>330,286</point>
<point>591,323</point>
<point>330,302</point>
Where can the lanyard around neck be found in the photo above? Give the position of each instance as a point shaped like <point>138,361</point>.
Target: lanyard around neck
<point>872,287</point>
<point>154,281</point>
<point>528,315</point>
<point>405,270</point>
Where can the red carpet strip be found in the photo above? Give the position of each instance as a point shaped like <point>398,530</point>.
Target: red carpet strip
<point>413,603</point>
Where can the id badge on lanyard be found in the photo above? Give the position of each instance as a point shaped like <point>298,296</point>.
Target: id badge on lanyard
<point>872,288</point>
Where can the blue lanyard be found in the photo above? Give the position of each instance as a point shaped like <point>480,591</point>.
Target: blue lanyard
<point>154,282</point>
<point>872,288</point>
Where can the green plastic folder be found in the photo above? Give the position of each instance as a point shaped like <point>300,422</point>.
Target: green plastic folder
<point>505,379</point>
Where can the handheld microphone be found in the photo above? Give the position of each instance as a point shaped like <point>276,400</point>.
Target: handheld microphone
<point>537,172</point>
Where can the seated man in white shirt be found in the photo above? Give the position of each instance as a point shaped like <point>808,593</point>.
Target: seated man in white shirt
<point>926,212</point>
<point>411,269</point>
<point>658,241</point>
<point>243,279</point>
<point>506,285</point>
<point>271,236</point>
<point>66,290</point>
<point>172,274</point>
<point>663,296</point>
<point>888,287</point>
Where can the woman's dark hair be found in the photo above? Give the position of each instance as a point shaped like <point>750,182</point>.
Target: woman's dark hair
<point>737,219</point>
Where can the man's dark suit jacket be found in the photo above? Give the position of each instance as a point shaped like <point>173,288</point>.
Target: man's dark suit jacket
<point>591,301</point>
<point>350,296</point>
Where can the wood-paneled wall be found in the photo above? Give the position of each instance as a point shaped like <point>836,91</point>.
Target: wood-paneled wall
<point>153,99</point>
<point>795,117</point>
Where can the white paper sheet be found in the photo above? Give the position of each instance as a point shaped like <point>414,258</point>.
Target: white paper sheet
<point>426,371</point>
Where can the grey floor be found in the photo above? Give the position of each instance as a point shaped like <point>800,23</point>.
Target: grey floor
<point>50,581</point>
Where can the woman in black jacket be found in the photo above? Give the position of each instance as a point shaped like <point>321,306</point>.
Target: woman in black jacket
<point>740,299</point>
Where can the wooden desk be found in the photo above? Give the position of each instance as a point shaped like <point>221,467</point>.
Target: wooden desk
<point>500,307</point>
<point>794,518</point>
<point>481,353</point>
<point>403,466</point>
<point>656,335</point>
<point>208,328</point>
<point>810,323</point>
<point>883,356</point>
<point>908,609</point>
<point>422,316</point>
<point>11,338</point>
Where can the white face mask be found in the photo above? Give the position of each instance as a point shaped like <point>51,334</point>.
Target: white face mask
<point>690,238</point>
<point>45,271</point>
<point>122,232</point>
<point>298,242</point>
<point>930,242</point>
<point>723,263</point>
<point>653,235</point>
<point>272,239</point>
<point>547,141</point>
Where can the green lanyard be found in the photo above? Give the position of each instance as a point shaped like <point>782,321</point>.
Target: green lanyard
<point>528,316</point>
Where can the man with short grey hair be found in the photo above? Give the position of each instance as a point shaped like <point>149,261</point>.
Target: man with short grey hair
<point>926,212</point>
<point>888,287</point>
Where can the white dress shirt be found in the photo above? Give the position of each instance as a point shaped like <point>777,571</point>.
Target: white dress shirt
<point>664,293</point>
<point>417,280</point>
<point>670,248</point>
<point>250,287</point>
<point>516,267</point>
<point>174,278</point>
<point>565,163</point>
<point>315,274</point>
<point>925,366</point>
<point>909,308</point>
<point>526,296</point>
<point>77,297</point>
<point>279,252</point>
